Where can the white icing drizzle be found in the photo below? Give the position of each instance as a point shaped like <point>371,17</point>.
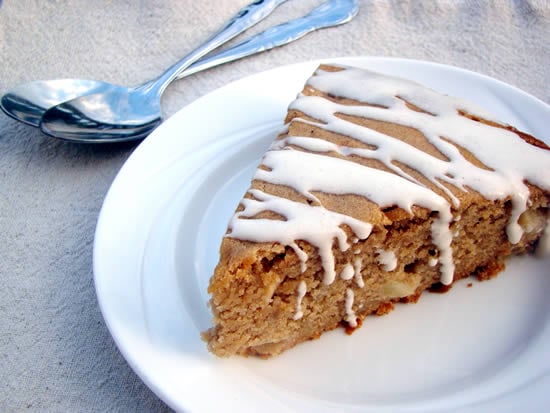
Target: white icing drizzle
<point>347,273</point>
<point>351,318</point>
<point>433,262</point>
<point>543,247</point>
<point>357,267</point>
<point>309,172</point>
<point>514,163</point>
<point>313,224</point>
<point>302,289</point>
<point>387,259</point>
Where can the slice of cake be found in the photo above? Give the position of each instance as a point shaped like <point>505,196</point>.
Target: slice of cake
<point>378,189</point>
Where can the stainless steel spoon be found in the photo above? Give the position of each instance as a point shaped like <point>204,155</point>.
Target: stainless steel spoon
<point>115,113</point>
<point>29,101</point>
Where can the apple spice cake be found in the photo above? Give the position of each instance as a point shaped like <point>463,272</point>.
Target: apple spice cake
<point>378,189</point>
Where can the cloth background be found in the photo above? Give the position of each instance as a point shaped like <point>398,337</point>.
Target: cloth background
<point>55,351</point>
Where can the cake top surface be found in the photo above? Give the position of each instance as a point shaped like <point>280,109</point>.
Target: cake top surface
<point>392,142</point>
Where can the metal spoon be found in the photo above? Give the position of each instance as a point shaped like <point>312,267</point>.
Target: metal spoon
<point>28,102</point>
<point>115,113</point>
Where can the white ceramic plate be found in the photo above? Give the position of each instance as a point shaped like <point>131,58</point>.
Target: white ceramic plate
<point>475,349</point>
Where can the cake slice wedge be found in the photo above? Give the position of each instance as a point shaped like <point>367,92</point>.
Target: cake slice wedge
<point>377,190</point>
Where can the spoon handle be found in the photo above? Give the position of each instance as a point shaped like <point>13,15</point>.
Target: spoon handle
<point>244,19</point>
<point>328,14</point>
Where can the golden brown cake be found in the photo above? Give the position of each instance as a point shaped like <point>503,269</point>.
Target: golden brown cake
<point>378,189</point>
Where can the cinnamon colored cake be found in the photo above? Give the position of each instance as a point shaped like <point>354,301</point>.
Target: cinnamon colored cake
<point>378,189</point>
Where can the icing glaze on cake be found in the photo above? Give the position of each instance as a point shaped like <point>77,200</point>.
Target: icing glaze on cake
<point>302,288</point>
<point>387,259</point>
<point>357,273</point>
<point>351,319</point>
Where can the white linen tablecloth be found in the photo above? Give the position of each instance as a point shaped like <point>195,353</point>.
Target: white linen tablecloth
<point>55,351</point>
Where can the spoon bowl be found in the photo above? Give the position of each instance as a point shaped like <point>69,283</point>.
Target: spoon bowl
<point>112,114</point>
<point>28,102</point>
